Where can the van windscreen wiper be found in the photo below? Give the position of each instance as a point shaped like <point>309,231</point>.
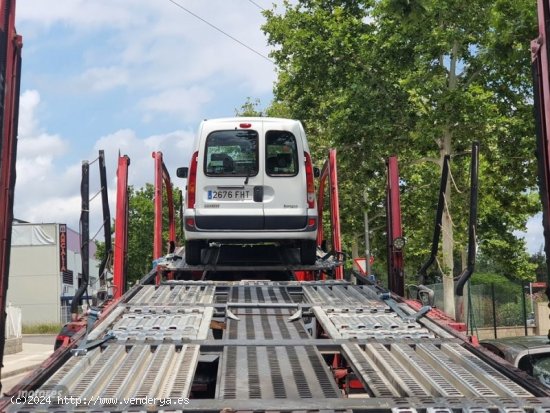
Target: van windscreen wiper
<point>248,174</point>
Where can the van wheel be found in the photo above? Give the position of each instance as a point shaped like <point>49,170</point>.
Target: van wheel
<point>193,252</point>
<point>308,252</point>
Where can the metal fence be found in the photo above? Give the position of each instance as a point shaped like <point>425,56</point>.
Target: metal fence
<point>65,315</point>
<point>495,305</point>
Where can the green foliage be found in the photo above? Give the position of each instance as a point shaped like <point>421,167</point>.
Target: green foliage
<point>418,78</point>
<point>99,251</point>
<point>487,278</point>
<point>41,328</point>
<point>250,108</point>
<point>539,260</point>
<point>141,216</point>
<point>510,314</point>
<point>503,286</point>
<point>508,302</point>
<point>508,311</point>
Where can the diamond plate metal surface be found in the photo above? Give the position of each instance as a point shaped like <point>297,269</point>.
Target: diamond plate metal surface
<point>148,324</point>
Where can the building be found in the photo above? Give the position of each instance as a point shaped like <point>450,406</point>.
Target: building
<point>46,271</point>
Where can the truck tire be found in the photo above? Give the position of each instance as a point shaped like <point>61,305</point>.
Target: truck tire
<point>308,252</point>
<point>193,252</point>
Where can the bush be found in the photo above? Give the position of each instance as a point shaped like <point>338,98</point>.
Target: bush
<point>42,328</point>
<point>508,307</point>
<point>509,314</point>
<point>503,285</point>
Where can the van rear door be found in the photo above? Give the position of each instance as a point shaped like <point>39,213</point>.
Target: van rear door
<point>230,186</point>
<point>285,194</point>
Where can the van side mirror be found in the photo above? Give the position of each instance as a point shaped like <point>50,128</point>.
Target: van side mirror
<point>316,172</point>
<point>182,172</point>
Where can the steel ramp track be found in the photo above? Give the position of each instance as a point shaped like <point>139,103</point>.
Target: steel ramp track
<point>258,294</point>
<point>264,324</point>
<point>274,372</point>
<point>165,324</point>
<point>344,295</point>
<point>361,324</point>
<point>123,372</point>
<point>173,294</point>
<point>259,360</point>
<point>426,370</point>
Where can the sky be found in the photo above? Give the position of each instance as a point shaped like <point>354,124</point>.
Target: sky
<point>131,76</point>
<point>128,76</point>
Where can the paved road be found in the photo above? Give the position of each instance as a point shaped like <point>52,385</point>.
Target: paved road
<point>37,347</point>
<point>8,383</point>
<point>39,339</point>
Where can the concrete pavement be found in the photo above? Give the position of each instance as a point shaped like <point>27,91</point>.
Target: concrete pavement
<point>17,365</point>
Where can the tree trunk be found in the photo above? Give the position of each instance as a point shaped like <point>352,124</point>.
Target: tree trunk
<point>445,148</point>
<point>448,265</point>
<point>355,254</point>
<point>448,238</point>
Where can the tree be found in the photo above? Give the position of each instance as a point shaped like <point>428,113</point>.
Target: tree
<point>141,215</point>
<point>250,108</point>
<point>539,260</point>
<point>420,78</point>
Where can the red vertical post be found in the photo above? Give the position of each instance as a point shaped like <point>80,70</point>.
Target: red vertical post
<point>171,215</point>
<point>329,172</point>
<point>10,73</point>
<point>170,200</point>
<point>321,204</point>
<point>162,176</point>
<point>541,81</point>
<point>335,223</point>
<point>121,227</point>
<point>157,231</point>
<point>157,239</point>
<point>396,276</point>
<point>335,210</point>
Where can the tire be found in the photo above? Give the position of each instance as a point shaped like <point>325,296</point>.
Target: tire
<point>193,252</point>
<point>308,252</point>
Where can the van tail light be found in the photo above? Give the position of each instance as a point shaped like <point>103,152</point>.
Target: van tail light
<point>310,184</point>
<point>192,181</point>
<point>190,223</point>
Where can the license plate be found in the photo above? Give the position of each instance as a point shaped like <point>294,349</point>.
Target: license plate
<point>229,194</point>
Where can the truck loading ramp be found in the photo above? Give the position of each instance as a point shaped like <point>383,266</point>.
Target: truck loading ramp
<point>275,352</point>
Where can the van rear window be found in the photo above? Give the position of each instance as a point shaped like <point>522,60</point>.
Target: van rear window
<point>231,153</point>
<point>281,153</point>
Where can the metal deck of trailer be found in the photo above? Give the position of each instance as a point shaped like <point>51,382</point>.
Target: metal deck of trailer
<point>271,355</point>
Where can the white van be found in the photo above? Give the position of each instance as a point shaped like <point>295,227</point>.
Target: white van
<point>250,180</point>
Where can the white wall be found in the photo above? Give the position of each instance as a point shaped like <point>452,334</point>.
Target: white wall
<point>35,280</point>
<point>34,284</point>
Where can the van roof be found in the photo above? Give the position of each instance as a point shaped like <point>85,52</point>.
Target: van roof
<point>252,119</point>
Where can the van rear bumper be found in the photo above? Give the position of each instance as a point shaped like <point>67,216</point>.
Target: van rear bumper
<point>251,223</point>
<point>226,227</point>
